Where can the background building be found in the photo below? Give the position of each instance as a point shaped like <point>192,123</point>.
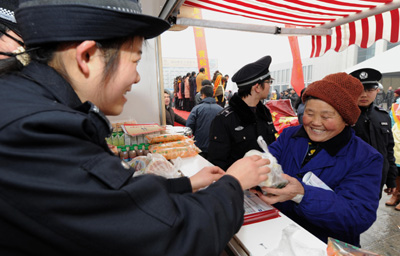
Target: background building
<point>173,67</point>
<point>382,56</point>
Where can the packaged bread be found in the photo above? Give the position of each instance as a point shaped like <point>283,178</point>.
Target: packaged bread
<point>156,138</point>
<point>174,144</point>
<point>175,152</point>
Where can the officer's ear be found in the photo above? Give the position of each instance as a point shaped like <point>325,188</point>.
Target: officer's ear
<point>84,55</point>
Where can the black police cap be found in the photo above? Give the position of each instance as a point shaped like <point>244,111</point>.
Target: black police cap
<point>369,77</point>
<point>253,72</point>
<point>7,18</point>
<point>54,21</point>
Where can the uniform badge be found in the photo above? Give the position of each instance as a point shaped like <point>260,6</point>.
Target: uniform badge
<point>239,128</point>
<point>363,75</point>
<point>384,123</point>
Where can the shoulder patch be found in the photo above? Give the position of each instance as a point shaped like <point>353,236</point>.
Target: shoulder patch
<point>226,112</point>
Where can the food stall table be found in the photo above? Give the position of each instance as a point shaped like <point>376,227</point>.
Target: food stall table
<point>257,238</point>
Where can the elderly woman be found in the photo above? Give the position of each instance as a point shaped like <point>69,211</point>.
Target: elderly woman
<point>327,147</point>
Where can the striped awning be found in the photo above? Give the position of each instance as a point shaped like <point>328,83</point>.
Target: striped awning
<point>360,22</point>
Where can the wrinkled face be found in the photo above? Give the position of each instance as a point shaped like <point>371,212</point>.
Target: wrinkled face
<point>111,97</point>
<point>367,97</point>
<point>167,99</point>
<point>321,121</point>
<point>7,44</point>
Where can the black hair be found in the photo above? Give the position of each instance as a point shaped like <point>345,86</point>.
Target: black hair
<point>207,90</point>
<point>201,70</point>
<point>245,90</point>
<point>206,82</point>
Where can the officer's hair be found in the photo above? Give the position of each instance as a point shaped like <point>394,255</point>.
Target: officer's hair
<point>245,91</point>
<point>207,91</point>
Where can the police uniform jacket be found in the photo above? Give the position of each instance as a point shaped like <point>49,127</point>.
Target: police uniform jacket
<point>348,166</point>
<point>235,130</point>
<point>63,192</point>
<point>374,127</point>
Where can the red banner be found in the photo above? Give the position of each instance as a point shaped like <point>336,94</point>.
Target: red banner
<point>201,47</point>
<point>297,80</point>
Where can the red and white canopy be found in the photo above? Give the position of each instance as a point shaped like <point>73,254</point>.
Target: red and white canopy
<point>347,22</point>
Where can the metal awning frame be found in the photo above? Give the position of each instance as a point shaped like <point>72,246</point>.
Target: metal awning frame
<point>171,10</point>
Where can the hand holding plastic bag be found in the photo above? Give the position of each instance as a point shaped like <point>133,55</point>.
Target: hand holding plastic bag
<point>275,179</point>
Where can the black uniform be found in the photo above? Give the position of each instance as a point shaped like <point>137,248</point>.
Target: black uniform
<point>235,129</point>
<point>63,192</point>
<point>374,127</point>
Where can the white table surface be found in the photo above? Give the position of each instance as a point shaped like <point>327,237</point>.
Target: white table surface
<point>262,237</point>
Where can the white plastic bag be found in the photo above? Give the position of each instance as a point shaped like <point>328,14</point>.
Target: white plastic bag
<point>274,177</point>
<point>290,245</point>
<point>154,164</point>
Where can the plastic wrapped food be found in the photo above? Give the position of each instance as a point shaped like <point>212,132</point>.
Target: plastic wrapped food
<point>275,179</point>
<point>174,144</point>
<point>175,152</point>
<point>154,164</point>
<point>339,248</point>
<point>156,138</point>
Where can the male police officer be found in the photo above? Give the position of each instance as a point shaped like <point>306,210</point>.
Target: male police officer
<point>374,125</point>
<point>235,129</point>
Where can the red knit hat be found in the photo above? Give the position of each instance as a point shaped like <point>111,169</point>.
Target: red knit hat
<point>339,90</point>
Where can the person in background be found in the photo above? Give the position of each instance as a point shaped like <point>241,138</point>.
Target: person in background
<point>326,147</point>
<point>63,192</point>
<point>229,96</point>
<point>395,117</point>
<point>193,88</point>
<point>374,126</point>
<point>170,116</point>
<point>273,95</point>
<point>380,96</point>
<point>200,119</point>
<point>235,130</point>
<point>219,92</point>
<point>389,98</point>
<point>10,37</point>
<point>199,78</point>
<point>197,98</point>
<point>396,95</point>
<point>293,97</point>
<point>299,107</point>
<point>182,93</point>
<point>175,103</point>
<point>186,104</point>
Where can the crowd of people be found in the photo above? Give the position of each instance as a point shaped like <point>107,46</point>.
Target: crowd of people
<point>186,92</point>
<point>64,192</point>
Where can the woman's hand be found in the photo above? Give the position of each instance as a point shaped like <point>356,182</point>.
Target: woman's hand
<point>250,171</point>
<point>205,177</point>
<point>275,195</point>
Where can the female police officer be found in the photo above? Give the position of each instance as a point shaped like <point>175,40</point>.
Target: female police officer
<point>62,192</point>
